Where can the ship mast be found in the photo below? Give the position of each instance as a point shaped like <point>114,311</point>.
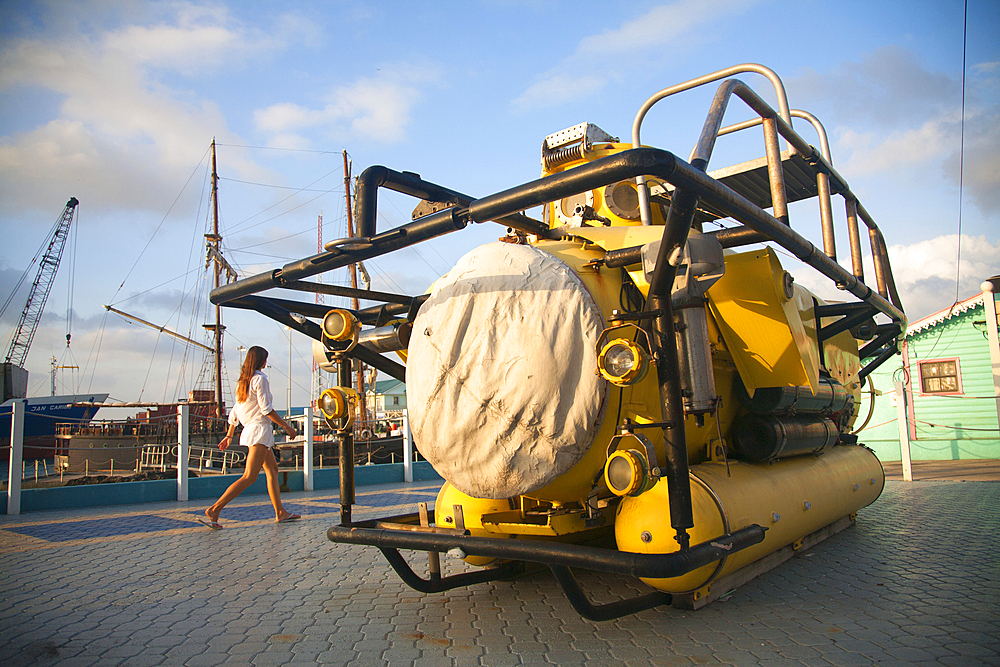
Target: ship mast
<point>317,372</point>
<point>215,252</point>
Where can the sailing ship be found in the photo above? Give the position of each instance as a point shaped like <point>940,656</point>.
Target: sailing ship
<point>81,444</point>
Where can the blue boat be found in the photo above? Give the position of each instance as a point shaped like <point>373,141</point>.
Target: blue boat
<point>41,417</point>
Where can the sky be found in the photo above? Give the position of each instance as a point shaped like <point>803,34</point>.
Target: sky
<point>116,103</point>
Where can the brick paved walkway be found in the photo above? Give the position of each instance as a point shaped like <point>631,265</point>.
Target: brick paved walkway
<point>917,581</point>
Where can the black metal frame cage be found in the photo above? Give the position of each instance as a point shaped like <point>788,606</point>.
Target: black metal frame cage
<point>695,192</point>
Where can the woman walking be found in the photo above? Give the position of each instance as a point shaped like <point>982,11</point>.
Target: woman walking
<point>253,409</point>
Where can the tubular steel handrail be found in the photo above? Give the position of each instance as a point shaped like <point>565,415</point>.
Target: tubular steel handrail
<point>777,123</point>
<point>779,88</point>
<point>824,140</point>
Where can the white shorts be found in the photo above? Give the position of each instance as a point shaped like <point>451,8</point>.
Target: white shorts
<point>258,432</point>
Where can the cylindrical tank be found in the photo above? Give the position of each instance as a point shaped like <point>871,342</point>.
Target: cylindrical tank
<point>791,498</point>
<point>830,397</point>
<point>760,438</point>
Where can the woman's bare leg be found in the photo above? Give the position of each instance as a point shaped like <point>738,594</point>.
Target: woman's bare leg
<point>274,487</point>
<point>255,460</point>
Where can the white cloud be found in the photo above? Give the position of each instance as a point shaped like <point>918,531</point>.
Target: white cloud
<point>599,58</point>
<point>176,47</point>
<point>378,107</point>
<point>656,28</point>
<point>987,68</point>
<point>557,88</point>
<point>980,173</point>
<point>285,115</point>
<point>872,152</point>
<point>925,273</point>
<point>971,161</point>
<point>909,118</point>
<point>199,38</point>
<point>120,137</point>
<point>887,88</point>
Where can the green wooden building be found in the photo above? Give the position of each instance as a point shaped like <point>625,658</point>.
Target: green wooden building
<point>950,370</point>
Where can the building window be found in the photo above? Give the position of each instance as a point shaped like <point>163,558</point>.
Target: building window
<point>940,377</point>
<point>395,400</point>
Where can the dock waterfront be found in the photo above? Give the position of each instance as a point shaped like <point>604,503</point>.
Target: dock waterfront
<point>914,582</point>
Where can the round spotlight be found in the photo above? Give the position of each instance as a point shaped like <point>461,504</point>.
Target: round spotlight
<point>622,362</point>
<point>340,325</point>
<point>334,403</point>
<point>626,472</point>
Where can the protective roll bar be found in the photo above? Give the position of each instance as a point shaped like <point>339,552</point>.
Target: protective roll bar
<point>559,557</point>
<point>449,211</point>
<point>691,185</point>
<point>828,180</point>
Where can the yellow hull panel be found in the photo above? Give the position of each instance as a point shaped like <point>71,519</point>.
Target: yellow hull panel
<point>791,498</point>
<point>761,325</point>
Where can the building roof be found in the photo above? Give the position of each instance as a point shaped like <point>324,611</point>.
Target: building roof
<point>391,386</point>
<point>944,315</point>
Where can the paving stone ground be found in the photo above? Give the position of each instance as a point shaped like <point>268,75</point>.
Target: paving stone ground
<point>916,582</point>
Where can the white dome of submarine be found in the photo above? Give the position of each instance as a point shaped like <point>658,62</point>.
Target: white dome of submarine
<point>503,397</point>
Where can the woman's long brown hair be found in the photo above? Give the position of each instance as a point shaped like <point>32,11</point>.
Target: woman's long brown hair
<point>256,358</point>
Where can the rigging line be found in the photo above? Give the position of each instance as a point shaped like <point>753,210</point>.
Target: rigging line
<point>183,275</point>
<point>961,175</point>
<point>280,238</point>
<point>941,330</point>
<point>277,148</point>
<point>149,369</point>
<point>257,224</point>
<point>961,154</point>
<point>268,185</point>
<point>165,215</point>
<point>956,428</point>
<point>440,256</point>
<point>233,262</point>
<point>413,248</point>
<point>385,276</point>
<point>180,377</point>
<point>69,362</point>
<point>173,342</point>
<point>96,355</point>
<point>236,227</point>
<point>280,372</point>
<point>263,254</point>
<point>305,362</point>
<point>34,260</point>
<point>170,361</point>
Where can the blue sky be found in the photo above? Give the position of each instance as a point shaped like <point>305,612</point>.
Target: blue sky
<point>116,103</point>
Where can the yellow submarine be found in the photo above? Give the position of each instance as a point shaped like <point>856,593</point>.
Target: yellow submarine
<point>633,384</point>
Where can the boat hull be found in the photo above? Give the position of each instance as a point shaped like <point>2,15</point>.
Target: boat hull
<point>41,416</point>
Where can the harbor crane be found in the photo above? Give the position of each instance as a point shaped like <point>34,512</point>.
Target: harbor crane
<point>20,343</point>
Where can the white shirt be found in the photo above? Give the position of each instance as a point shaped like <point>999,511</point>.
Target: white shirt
<point>252,413</point>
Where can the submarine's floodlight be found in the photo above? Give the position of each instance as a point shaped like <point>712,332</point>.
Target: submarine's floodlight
<point>626,472</point>
<point>622,362</point>
<point>335,402</point>
<point>340,325</point>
